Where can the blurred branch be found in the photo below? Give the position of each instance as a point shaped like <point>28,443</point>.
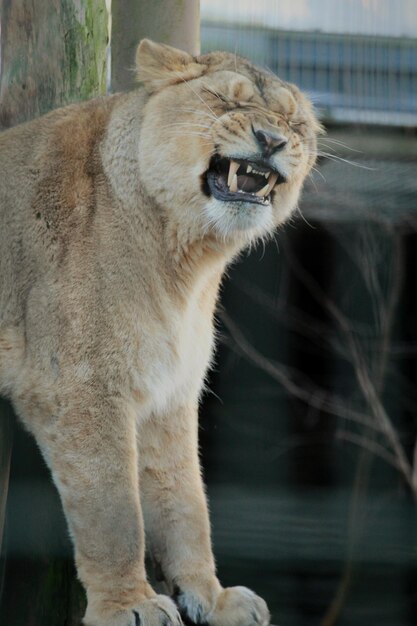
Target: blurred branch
<point>317,397</point>
<point>366,347</point>
<point>371,391</point>
<point>372,446</point>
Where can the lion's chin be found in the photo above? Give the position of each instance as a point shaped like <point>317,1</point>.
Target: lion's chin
<point>231,220</point>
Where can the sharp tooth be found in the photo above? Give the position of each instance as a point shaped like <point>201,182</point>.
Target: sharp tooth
<point>272,182</point>
<point>249,169</point>
<point>262,192</point>
<point>267,175</point>
<point>265,191</point>
<point>233,184</point>
<point>233,168</point>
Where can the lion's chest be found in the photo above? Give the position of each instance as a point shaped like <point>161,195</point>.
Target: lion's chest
<point>173,358</point>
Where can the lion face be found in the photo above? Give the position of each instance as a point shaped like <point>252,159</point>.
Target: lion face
<point>225,146</point>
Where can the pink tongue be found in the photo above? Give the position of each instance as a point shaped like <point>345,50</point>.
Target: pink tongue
<point>247,183</point>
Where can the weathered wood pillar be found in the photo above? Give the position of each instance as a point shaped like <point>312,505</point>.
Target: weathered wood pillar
<point>174,22</point>
<point>52,52</point>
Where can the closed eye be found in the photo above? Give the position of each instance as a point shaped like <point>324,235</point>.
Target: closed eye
<point>298,126</point>
<point>220,96</point>
<point>229,102</point>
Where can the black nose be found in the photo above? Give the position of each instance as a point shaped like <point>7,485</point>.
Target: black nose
<point>269,142</point>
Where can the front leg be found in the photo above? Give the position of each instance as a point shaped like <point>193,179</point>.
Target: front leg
<point>91,449</point>
<point>177,525</point>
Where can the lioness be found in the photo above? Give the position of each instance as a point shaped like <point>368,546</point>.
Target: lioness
<point>117,219</point>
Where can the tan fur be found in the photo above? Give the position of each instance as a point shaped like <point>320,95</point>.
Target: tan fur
<point>111,256</point>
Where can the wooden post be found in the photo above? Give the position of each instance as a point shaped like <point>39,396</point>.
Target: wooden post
<point>174,22</point>
<point>52,52</point>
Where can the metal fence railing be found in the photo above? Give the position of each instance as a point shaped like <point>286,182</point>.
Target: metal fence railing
<point>351,78</point>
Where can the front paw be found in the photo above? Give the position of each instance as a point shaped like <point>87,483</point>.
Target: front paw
<point>156,611</point>
<point>234,606</point>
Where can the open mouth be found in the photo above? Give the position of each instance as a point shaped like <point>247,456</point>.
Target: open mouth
<point>242,180</point>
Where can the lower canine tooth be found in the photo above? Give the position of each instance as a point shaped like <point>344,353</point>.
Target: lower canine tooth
<point>233,184</point>
<point>262,192</point>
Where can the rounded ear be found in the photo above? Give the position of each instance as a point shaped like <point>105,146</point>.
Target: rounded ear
<point>159,65</point>
<point>287,101</point>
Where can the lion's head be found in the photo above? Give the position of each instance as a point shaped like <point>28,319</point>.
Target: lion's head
<point>225,146</point>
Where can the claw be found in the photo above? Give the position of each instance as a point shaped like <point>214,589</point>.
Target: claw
<point>137,618</point>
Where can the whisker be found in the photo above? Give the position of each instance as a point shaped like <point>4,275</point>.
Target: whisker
<point>303,217</point>
<point>315,169</point>
<point>194,110</point>
<point>190,134</point>
<point>186,125</point>
<point>334,157</point>
<point>342,144</point>
<point>313,182</point>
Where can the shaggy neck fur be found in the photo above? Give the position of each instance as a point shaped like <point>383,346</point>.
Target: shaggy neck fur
<point>187,253</point>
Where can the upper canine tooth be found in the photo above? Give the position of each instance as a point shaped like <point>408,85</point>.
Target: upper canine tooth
<point>233,184</point>
<point>273,180</point>
<point>249,169</point>
<point>267,174</point>
<point>233,168</point>
<point>262,192</point>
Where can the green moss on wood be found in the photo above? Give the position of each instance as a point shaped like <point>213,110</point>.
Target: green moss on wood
<point>53,54</point>
<point>86,40</point>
